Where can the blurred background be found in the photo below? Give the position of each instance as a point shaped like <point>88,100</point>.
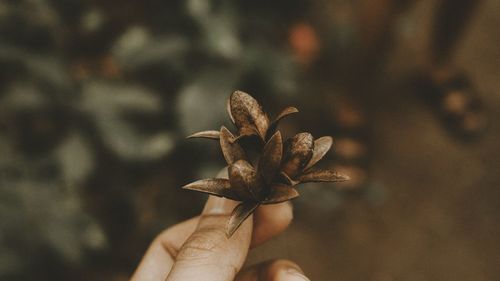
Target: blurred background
<point>96,98</point>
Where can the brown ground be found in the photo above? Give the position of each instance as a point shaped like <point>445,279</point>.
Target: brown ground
<point>440,219</point>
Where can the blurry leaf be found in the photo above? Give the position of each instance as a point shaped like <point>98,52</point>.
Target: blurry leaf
<point>197,110</point>
<point>42,214</point>
<point>108,102</point>
<point>75,147</point>
<point>137,49</point>
<point>219,28</point>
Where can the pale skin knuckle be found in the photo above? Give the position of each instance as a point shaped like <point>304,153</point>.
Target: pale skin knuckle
<point>165,241</point>
<point>203,244</point>
<point>208,247</point>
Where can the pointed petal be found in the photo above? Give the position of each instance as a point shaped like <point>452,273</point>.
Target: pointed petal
<point>211,134</point>
<point>231,150</point>
<point>280,193</point>
<point>217,187</point>
<point>321,147</point>
<point>298,151</point>
<point>239,214</point>
<point>287,179</point>
<point>323,176</point>
<point>228,108</point>
<point>243,179</point>
<point>247,132</point>
<point>248,114</point>
<point>284,113</point>
<point>270,159</point>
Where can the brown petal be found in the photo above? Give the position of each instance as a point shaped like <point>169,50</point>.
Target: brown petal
<point>323,176</point>
<point>228,108</point>
<point>248,114</point>
<point>231,150</point>
<point>286,179</point>
<point>247,132</point>
<point>206,134</point>
<point>217,187</point>
<point>280,193</point>
<point>321,147</point>
<point>248,136</point>
<point>284,113</point>
<point>239,214</point>
<point>297,153</point>
<point>270,159</point>
<point>243,178</point>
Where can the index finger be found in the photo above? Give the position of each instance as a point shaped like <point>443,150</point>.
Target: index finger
<point>269,221</point>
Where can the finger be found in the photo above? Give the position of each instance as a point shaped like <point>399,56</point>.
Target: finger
<point>208,253</point>
<point>158,259</point>
<point>269,221</point>
<point>276,270</point>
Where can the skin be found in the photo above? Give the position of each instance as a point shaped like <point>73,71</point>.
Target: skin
<point>198,249</point>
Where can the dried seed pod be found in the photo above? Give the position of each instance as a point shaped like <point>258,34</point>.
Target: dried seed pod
<point>280,166</point>
<point>249,118</point>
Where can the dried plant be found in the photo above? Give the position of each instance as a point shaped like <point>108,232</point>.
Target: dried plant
<point>249,118</point>
<point>279,166</point>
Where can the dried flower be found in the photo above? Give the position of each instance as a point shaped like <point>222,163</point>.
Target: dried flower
<point>249,118</point>
<point>278,168</point>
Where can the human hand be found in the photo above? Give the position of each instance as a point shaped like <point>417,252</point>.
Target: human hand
<point>198,249</point>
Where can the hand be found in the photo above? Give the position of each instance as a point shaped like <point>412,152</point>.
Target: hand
<point>198,249</point>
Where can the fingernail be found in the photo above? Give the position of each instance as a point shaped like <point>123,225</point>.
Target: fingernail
<point>218,206</point>
<point>292,274</point>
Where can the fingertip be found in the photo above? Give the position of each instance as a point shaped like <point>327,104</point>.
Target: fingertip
<point>274,270</point>
<point>283,270</point>
<point>271,220</point>
<point>208,251</point>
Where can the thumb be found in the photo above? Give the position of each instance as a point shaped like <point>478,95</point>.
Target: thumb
<point>208,254</point>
